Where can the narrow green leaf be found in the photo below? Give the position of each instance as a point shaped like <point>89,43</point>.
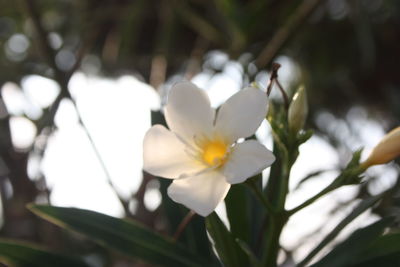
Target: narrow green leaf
<point>128,237</point>
<point>385,249</point>
<point>255,262</point>
<point>345,253</point>
<point>22,254</point>
<point>390,260</point>
<point>236,209</point>
<point>363,206</point>
<point>308,177</point>
<point>228,250</point>
<point>257,218</point>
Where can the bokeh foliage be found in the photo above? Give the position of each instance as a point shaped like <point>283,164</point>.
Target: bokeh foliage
<point>347,52</point>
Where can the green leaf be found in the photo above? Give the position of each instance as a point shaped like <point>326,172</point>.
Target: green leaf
<point>255,262</point>
<point>128,237</point>
<point>21,254</point>
<point>304,137</point>
<point>228,249</point>
<point>363,206</point>
<point>236,209</point>
<point>384,252</point>
<point>257,217</point>
<point>390,260</point>
<point>350,249</point>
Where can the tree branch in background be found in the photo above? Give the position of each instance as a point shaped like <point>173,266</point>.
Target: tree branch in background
<point>125,204</point>
<point>198,23</point>
<point>44,46</point>
<point>196,56</point>
<point>62,79</point>
<point>286,31</point>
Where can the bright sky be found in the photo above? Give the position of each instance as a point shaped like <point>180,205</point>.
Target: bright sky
<point>117,115</point>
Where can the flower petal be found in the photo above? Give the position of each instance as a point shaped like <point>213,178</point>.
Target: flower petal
<point>247,159</point>
<point>164,155</point>
<point>188,112</point>
<point>201,193</point>
<point>242,114</point>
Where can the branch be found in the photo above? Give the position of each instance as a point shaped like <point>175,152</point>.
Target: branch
<point>62,79</point>
<point>281,36</point>
<point>196,56</point>
<point>44,46</point>
<point>124,203</point>
<point>332,186</point>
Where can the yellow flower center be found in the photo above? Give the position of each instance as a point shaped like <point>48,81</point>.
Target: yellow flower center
<point>214,152</point>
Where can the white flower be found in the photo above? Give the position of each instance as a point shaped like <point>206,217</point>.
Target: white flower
<point>200,151</point>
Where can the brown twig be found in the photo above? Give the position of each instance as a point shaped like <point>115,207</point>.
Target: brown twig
<point>183,224</point>
<point>284,95</point>
<point>273,79</point>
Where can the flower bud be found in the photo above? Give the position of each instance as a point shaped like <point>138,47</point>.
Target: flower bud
<point>386,150</point>
<point>298,110</point>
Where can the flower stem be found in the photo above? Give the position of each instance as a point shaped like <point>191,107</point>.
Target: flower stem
<point>275,226</point>
<point>259,194</point>
<point>332,186</point>
<point>277,221</point>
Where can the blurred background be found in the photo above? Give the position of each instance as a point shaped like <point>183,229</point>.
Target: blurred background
<point>82,80</point>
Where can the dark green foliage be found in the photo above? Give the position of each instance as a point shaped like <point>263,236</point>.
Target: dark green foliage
<point>20,254</point>
<point>128,237</point>
<point>228,249</point>
<point>354,248</point>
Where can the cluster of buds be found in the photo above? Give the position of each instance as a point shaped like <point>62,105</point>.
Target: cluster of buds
<point>385,151</point>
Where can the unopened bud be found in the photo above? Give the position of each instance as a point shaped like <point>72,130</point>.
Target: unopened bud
<point>386,150</point>
<point>298,110</point>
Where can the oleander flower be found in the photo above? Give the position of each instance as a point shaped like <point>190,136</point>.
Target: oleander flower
<point>386,150</point>
<point>200,150</point>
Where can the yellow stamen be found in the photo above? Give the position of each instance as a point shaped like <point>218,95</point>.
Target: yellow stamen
<point>214,152</point>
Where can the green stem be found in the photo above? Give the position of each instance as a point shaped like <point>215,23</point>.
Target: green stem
<point>286,151</point>
<point>278,220</point>
<point>350,175</point>
<point>284,186</point>
<point>259,194</point>
<point>275,226</point>
<point>332,186</point>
